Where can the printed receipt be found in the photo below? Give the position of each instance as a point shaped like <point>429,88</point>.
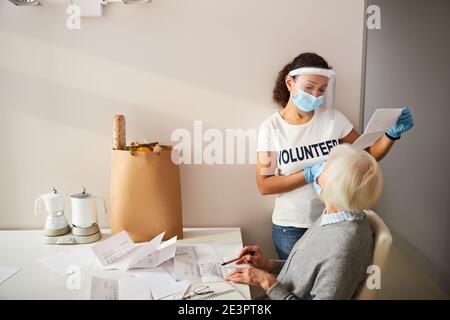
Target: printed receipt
<point>110,251</point>
<point>198,263</point>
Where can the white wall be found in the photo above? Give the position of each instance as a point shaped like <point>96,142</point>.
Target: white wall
<point>163,65</point>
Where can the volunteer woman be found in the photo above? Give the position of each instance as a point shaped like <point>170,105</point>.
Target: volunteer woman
<point>294,142</point>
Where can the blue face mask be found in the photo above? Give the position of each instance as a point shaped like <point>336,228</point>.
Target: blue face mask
<point>306,102</point>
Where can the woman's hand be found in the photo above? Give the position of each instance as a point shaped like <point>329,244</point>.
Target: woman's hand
<point>256,259</point>
<point>403,124</point>
<point>252,276</point>
<point>313,172</point>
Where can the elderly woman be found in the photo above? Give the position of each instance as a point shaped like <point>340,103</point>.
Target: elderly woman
<point>331,259</point>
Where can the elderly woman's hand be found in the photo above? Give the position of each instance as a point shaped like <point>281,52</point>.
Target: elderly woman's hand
<point>252,255</point>
<point>252,276</point>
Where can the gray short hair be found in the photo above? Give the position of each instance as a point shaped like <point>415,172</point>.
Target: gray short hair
<point>354,179</point>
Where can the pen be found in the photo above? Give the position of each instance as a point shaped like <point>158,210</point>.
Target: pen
<point>230,261</point>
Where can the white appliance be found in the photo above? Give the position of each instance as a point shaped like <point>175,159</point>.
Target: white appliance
<point>84,216</point>
<point>56,223</point>
<point>85,227</point>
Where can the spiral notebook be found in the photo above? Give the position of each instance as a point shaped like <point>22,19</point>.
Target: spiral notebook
<point>222,291</point>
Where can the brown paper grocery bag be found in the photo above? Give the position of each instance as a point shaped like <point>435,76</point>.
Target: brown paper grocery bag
<point>146,194</point>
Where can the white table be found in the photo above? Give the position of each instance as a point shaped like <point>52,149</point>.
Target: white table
<point>22,249</point>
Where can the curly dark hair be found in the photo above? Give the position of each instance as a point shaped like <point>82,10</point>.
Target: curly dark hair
<point>307,59</point>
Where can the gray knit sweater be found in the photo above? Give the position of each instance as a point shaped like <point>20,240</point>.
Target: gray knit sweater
<point>328,262</point>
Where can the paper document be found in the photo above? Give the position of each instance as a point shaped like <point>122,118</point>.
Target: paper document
<point>7,272</point>
<point>67,262</point>
<point>161,283</point>
<point>129,288</point>
<point>124,289</point>
<point>199,263</point>
<point>150,285</point>
<point>381,121</point>
<point>132,288</point>
<point>110,250</point>
<point>104,289</point>
<point>119,252</point>
<point>169,267</point>
<point>228,251</point>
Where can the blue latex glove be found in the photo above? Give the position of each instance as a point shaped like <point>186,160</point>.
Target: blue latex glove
<point>313,172</point>
<point>403,124</point>
<point>317,187</point>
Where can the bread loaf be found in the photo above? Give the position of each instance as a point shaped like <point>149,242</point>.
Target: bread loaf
<point>119,132</point>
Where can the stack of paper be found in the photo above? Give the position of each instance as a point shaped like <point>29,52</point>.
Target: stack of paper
<point>154,285</point>
<point>119,252</point>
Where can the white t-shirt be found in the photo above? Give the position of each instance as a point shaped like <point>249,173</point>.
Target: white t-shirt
<point>299,146</point>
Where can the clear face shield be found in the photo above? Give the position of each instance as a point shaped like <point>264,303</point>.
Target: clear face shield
<point>330,74</point>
